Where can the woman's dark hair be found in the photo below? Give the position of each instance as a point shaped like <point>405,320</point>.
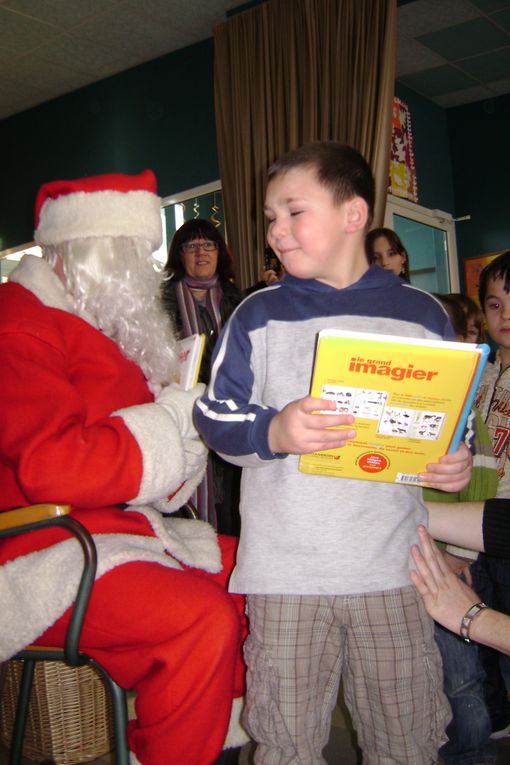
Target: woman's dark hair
<point>499,268</point>
<point>198,228</point>
<point>395,242</point>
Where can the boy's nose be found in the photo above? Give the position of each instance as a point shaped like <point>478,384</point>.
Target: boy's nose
<point>279,228</point>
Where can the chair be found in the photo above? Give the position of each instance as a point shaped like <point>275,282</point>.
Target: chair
<point>26,519</point>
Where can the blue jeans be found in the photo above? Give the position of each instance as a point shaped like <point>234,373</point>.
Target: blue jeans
<point>470,727</point>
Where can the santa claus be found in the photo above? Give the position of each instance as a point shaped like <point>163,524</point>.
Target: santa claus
<point>90,417</point>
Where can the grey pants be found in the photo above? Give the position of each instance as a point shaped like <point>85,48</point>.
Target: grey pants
<point>382,646</point>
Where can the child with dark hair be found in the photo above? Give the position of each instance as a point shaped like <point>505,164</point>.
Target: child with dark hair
<point>457,316</point>
<point>491,576</point>
<point>470,728</point>
<point>384,248</point>
<point>325,560</point>
<point>475,332</point>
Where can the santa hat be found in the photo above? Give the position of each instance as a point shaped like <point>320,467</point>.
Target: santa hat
<point>103,205</point>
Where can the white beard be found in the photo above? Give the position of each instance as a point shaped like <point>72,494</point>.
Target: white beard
<point>115,287</point>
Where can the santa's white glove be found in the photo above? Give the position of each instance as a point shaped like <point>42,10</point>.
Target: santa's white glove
<point>179,405</point>
<point>195,454</point>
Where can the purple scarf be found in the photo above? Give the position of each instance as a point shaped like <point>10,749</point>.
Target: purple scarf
<point>188,306</point>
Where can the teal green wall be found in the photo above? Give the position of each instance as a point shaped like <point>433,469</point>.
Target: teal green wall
<point>463,167</point>
<point>159,115</point>
<point>480,151</point>
<point>431,150</point>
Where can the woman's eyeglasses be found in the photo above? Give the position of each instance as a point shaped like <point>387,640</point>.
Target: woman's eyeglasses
<point>196,246</point>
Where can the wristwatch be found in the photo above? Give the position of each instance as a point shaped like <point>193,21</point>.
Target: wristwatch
<point>467,619</point>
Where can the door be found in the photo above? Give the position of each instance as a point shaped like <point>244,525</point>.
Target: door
<point>429,238</point>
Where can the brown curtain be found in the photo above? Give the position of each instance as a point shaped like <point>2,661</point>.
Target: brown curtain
<point>293,71</point>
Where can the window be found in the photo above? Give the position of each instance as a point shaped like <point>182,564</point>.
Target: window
<point>9,259</point>
<point>200,202</point>
<point>429,238</point>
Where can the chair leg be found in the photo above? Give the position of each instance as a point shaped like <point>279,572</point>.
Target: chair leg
<point>20,720</point>
<point>119,714</point>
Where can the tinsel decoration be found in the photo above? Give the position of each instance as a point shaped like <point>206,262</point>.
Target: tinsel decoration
<point>196,209</point>
<point>215,210</point>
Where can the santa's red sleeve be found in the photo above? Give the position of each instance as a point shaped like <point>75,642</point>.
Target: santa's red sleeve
<point>62,380</point>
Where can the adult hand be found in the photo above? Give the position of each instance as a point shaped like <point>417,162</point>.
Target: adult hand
<point>300,428</point>
<point>446,597</point>
<point>179,405</point>
<point>451,473</point>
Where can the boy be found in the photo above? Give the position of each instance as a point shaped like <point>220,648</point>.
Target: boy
<point>325,561</point>
<point>491,576</point>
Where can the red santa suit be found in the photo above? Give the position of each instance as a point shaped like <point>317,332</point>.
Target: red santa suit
<point>79,425</point>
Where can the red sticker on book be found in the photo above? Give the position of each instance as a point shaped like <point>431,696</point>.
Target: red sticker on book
<point>373,462</point>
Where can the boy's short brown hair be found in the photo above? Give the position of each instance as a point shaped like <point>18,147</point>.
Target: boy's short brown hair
<point>499,268</point>
<point>339,167</point>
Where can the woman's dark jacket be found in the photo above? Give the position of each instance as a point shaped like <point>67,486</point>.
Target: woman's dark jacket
<point>232,296</point>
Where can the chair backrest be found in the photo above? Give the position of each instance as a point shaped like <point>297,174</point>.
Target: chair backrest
<point>32,514</point>
<point>28,519</point>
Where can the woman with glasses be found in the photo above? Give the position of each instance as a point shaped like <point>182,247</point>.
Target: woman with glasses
<point>200,296</point>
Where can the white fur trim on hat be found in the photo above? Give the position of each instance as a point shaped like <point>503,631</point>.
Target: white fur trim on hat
<point>100,213</point>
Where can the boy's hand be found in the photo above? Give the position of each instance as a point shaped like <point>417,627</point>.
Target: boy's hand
<point>451,473</point>
<point>300,429</point>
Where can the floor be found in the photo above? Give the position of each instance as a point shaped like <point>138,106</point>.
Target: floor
<point>341,749</point>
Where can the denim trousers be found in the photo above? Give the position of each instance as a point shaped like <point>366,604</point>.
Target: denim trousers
<point>470,728</point>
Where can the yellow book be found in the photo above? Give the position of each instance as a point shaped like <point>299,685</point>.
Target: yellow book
<point>190,351</point>
<point>410,399</point>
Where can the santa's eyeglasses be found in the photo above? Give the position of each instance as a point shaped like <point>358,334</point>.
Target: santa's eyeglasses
<point>196,246</point>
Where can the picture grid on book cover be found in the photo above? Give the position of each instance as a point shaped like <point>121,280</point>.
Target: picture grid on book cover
<point>391,420</point>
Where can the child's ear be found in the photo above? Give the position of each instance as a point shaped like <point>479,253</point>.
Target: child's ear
<point>357,214</point>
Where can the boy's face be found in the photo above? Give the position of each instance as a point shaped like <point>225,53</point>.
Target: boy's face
<point>497,312</point>
<point>311,235</point>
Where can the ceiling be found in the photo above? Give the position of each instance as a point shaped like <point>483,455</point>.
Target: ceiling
<point>451,51</point>
<point>454,51</point>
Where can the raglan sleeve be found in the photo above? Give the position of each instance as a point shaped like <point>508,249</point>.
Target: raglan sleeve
<point>231,415</point>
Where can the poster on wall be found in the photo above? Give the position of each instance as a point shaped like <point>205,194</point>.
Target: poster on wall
<point>472,270</point>
<point>402,180</point>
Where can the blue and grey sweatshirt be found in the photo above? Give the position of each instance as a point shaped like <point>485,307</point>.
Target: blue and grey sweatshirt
<point>307,534</point>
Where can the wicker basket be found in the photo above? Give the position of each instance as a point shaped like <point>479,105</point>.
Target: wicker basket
<point>69,718</point>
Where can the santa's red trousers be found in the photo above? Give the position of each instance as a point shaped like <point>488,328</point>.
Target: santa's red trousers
<point>174,637</point>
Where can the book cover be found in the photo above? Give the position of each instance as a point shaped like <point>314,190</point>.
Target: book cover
<point>410,399</point>
<point>190,351</point>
